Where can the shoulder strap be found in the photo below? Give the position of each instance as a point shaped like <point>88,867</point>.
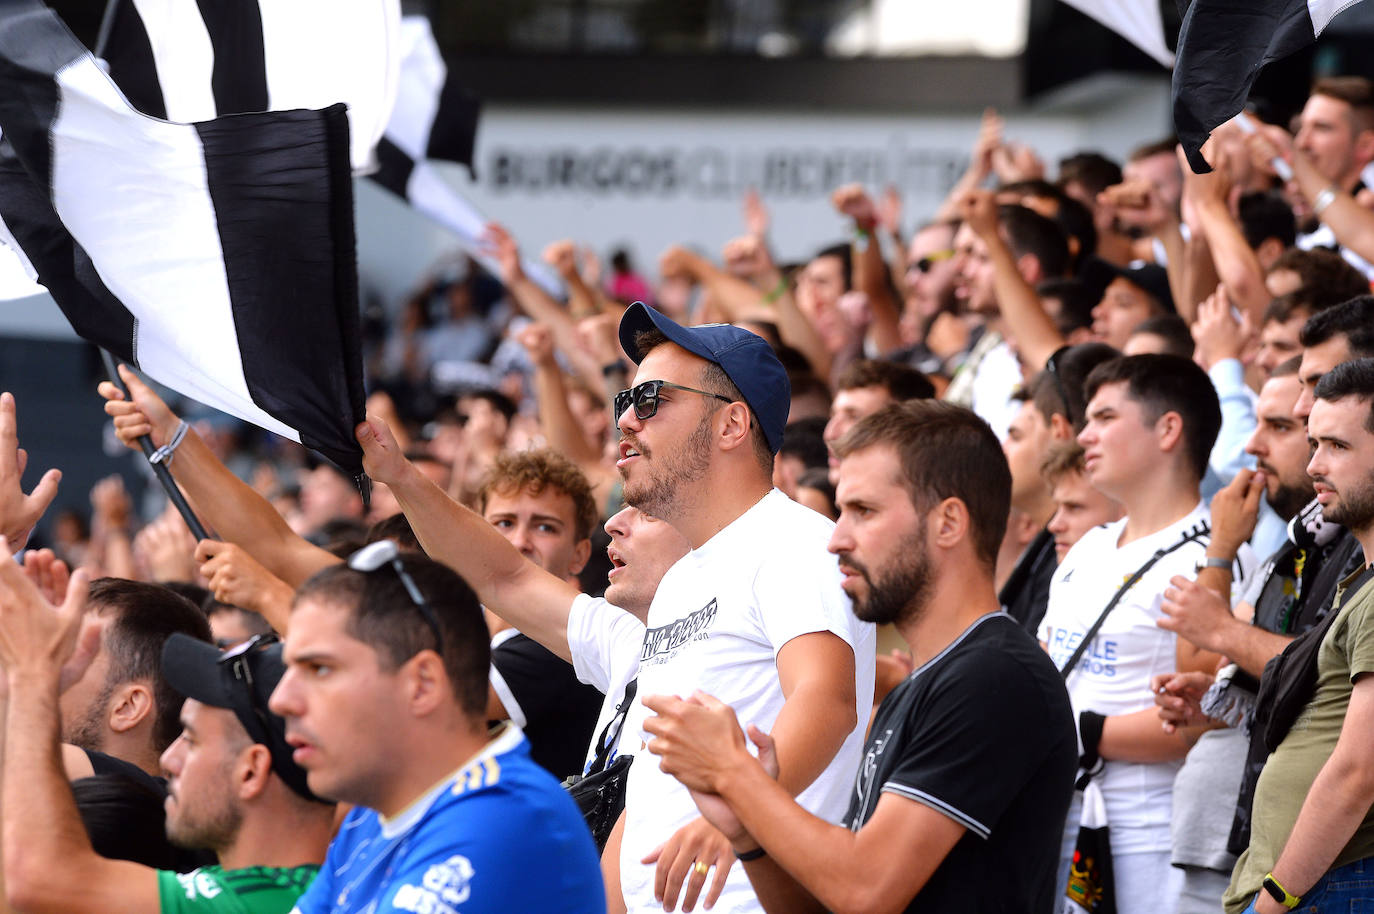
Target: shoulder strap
<point>1201,530</point>
<point>611,734</point>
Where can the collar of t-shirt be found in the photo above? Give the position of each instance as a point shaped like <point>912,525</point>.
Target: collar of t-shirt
<point>506,738</point>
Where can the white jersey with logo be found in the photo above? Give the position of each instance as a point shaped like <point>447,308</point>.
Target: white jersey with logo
<point>720,616</point>
<point>1113,675</point>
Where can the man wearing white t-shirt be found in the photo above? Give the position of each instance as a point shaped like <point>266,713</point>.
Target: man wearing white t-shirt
<point>754,613</point>
<point>1152,420</point>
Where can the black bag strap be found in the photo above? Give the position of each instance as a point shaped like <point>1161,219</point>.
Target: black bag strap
<point>611,734</point>
<point>1196,533</point>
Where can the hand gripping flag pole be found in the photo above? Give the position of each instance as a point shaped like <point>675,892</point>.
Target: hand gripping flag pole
<point>164,475</point>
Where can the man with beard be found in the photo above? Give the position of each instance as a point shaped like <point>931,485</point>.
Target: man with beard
<point>233,786</point>
<point>969,763</point>
<point>754,612</point>
<point>1312,837</point>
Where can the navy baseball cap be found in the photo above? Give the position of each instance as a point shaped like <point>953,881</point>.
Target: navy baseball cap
<point>746,358</point>
<point>241,680</point>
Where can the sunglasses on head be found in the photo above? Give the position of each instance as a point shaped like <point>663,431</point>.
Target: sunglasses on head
<point>644,398</point>
<point>925,263</point>
<point>236,659</point>
<point>374,557</point>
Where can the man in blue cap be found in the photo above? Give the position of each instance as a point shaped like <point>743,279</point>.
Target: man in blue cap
<point>232,785</point>
<point>753,614</point>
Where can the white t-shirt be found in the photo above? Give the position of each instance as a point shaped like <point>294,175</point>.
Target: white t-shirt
<point>605,642</point>
<point>720,616</point>
<point>1113,675</point>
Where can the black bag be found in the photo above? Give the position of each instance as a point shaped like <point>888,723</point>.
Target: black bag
<point>1290,679</point>
<point>600,793</point>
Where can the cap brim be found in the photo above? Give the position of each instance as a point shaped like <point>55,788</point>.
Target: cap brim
<point>192,668</point>
<point>639,318</point>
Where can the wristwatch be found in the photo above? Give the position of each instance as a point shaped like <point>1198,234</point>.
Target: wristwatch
<point>1279,893</point>
<point>1211,561</point>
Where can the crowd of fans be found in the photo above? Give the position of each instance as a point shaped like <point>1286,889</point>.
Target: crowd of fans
<point>1125,411</point>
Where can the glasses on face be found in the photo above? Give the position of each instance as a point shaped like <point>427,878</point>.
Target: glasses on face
<point>1052,367</point>
<point>644,398</point>
<point>374,556</point>
<point>925,263</point>
<point>236,658</point>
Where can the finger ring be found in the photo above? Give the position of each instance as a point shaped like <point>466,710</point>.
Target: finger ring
<point>700,868</point>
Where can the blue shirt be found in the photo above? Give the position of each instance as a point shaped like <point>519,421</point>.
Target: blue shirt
<point>498,836</point>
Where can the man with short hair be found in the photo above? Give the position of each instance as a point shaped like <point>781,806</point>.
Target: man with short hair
<point>864,387</point>
<point>1336,132</point>
<point>1313,835</point>
<point>543,505</point>
<point>1152,419</point>
<point>754,611</point>
<point>969,762</point>
<point>384,698</point>
<point>1078,507</point>
<point>233,786</point>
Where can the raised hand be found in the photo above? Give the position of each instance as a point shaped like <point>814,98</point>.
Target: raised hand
<point>19,512</point>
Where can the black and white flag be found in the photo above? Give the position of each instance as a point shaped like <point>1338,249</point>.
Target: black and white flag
<point>186,62</point>
<point>218,257</point>
<point>1221,48</point>
<point>435,119</point>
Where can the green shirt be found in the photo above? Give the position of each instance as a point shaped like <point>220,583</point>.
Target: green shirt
<point>251,890</point>
<point>1346,652</point>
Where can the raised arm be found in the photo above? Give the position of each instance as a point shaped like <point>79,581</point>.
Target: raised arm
<point>222,500</point>
<point>19,512</point>
<point>507,583</point>
<point>870,272</point>
<point>51,868</point>
<point>1236,263</point>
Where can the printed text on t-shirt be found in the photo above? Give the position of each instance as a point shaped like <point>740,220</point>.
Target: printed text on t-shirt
<point>1098,660</point>
<point>668,638</point>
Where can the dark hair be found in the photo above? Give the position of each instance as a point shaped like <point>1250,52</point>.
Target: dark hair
<point>1028,232</point>
<point>396,528</point>
<point>1324,276</point>
<point>1173,330</point>
<point>1353,319</point>
<point>341,536</point>
<point>1093,170</point>
<point>1355,91</point>
<point>512,473</point>
<point>1077,222</point>
<point>818,478</point>
<point>1264,215</point>
<point>902,382</point>
<point>1287,306</point>
<point>382,616</point>
<point>1072,365</point>
<point>843,252</point>
<point>499,401</point>
<point>804,439</point>
<point>945,451</point>
<point>806,384</point>
<point>1350,379</point>
<point>1076,303</point>
<point>142,618</point>
<point>1168,384</point>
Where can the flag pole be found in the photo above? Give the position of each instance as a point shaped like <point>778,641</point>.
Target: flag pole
<point>106,26</point>
<point>164,475</point>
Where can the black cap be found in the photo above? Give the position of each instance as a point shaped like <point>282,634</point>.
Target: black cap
<point>746,358</point>
<point>1150,278</point>
<point>241,680</point>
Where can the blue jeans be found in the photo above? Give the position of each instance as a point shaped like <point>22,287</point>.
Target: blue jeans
<point>1348,889</point>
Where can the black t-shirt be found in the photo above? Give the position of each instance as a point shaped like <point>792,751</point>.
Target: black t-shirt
<point>983,734</point>
<point>542,695</point>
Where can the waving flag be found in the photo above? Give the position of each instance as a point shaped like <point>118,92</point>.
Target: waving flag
<point>1221,48</point>
<point>218,257</point>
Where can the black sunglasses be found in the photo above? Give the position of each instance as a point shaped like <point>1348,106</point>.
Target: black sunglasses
<point>644,398</point>
<point>374,556</point>
<point>236,658</point>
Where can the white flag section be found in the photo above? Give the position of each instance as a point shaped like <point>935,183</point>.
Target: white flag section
<point>154,239</point>
<point>271,55</point>
<point>408,150</point>
<point>218,257</point>
<point>1138,21</point>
